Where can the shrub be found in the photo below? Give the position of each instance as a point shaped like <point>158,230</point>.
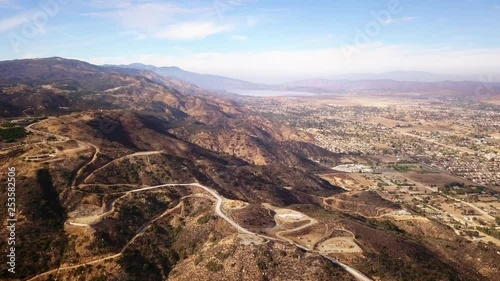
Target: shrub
<point>12,134</point>
<point>198,259</point>
<point>203,220</point>
<point>8,125</point>
<point>384,224</point>
<point>214,266</point>
<point>222,256</point>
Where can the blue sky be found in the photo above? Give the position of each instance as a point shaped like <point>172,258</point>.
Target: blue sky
<point>262,40</point>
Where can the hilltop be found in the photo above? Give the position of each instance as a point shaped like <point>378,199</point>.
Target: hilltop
<point>124,174</point>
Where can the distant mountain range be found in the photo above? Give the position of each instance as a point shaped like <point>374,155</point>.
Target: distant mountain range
<point>24,70</point>
<point>414,76</point>
<point>401,82</point>
<point>206,81</point>
<point>121,115</point>
<point>55,86</point>
<point>392,87</point>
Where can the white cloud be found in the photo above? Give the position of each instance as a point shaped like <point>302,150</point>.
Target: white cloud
<point>13,22</point>
<point>9,4</point>
<point>115,4</point>
<point>399,20</point>
<point>191,30</point>
<point>251,21</point>
<point>142,16</point>
<point>134,34</point>
<point>156,19</point>
<point>240,37</point>
<point>149,15</point>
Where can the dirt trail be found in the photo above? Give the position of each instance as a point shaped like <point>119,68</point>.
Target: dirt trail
<point>97,150</point>
<point>280,234</point>
<point>139,233</point>
<point>218,210</point>
<point>145,153</point>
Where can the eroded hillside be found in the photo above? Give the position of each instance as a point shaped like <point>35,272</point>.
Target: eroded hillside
<point>139,177</point>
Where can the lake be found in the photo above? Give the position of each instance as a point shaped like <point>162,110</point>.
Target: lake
<point>270,93</point>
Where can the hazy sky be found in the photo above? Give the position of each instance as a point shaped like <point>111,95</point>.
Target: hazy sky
<point>261,40</point>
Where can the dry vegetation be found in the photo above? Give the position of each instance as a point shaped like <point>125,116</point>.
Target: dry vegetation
<point>173,233</point>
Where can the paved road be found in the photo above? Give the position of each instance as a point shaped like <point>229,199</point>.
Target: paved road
<point>484,213</point>
<point>354,272</point>
<point>461,149</point>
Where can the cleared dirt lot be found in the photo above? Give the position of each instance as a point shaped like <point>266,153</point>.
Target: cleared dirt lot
<point>307,237</point>
<point>339,245</point>
<point>248,240</point>
<point>297,227</point>
<point>234,205</point>
<point>438,179</point>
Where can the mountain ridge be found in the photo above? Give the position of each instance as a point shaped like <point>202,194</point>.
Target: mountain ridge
<point>206,81</point>
<point>431,83</point>
<point>174,75</point>
<point>124,130</point>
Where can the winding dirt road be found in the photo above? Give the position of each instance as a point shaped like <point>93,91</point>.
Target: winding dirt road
<point>280,234</point>
<point>97,150</point>
<point>218,210</point>
<point>145,153</point>
<point>139,233</point>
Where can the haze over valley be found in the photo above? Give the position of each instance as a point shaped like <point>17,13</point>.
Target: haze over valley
<point>249,140</point>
